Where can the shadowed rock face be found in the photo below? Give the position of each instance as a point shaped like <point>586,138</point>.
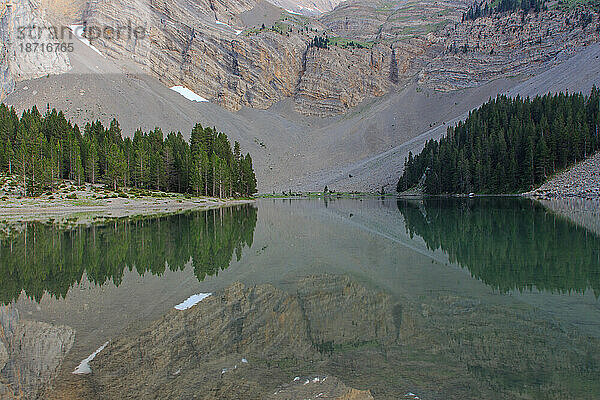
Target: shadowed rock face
<point>30,353</point>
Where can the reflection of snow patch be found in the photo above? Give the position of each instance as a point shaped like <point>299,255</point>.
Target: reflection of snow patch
<point>228,369</point>
<point>84,366</point>
<point>188,94</point>
<point>192,301</point>
<point>78,31</point>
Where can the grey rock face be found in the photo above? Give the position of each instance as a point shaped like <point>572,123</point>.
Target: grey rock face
<point>200,46</point>
<point>212,48</point>
<point>195,44</point>
<point>337,79</point>
<point>7,82</point>
<point>24,32</point>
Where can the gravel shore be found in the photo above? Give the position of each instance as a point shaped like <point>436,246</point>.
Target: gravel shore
<point>581,181</point>
<point>70,205</point>
<point>575,193</point>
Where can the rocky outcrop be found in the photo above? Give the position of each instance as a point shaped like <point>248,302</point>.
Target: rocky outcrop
<point>207,48</point>
<point>30,353</point>
<point>581,180</point>
<point>213,49</point>
<point>337,79</point>
<point>198,45</point>
<point>575,193</point>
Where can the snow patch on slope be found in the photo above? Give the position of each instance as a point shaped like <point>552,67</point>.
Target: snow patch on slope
<point>237,31</point>
<point>79,31</point>
<point>188,94</point>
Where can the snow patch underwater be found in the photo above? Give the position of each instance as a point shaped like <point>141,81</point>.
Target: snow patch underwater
<point>84,366</point>
<point>191,301</point>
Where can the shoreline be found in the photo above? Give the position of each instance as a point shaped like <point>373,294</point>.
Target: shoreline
<point>93,204</point>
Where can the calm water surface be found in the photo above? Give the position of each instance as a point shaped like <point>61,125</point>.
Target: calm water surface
<point>485,297</point>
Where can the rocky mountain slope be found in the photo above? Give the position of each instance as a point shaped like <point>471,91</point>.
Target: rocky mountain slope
<point>509,44</point>
<point>261,342</point>
<point>213,48</point>
<point>340,115</point>
<point>240,342</point>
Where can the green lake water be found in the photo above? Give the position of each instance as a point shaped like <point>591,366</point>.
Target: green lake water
<point>489,297</point>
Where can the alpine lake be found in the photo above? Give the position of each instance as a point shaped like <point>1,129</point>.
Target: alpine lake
<point>435,298</point>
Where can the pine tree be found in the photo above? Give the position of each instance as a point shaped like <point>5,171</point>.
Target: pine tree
<point>116,166</point>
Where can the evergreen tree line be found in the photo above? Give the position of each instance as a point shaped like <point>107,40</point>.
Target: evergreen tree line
<point>45,259</point>
<point>508,145</point>
<point>320,42</point>
<point>533,248</point>
<point>43,149</point>
<point>483,8</point>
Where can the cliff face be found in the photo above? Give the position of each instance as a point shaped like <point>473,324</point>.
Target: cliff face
<point>508,44</point>
<point>200,46</point>
<point>209,49</point>
<point>337,79</point>
<point>22,26</point>
<point>230,53</point>
<point>248,53</point>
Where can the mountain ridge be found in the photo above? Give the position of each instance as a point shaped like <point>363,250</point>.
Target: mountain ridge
<point>294,144</point>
